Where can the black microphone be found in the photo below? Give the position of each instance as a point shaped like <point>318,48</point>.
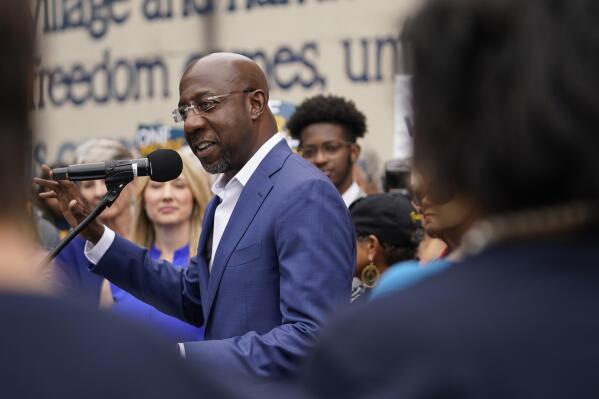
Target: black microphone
<point>161,165</point>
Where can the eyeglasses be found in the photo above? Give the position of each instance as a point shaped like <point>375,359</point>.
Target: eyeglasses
<point>329,149</point>
<point>204,105</point>
<point>435,192</point>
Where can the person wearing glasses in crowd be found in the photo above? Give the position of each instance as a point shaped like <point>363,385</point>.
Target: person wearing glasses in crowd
<point>167,219</point>
<point>327,128</point>
<point>276,253</point>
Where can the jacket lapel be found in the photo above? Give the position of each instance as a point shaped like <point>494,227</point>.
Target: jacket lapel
<point>250,200</point>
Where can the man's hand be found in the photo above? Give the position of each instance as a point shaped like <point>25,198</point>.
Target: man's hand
<point>73,205</point>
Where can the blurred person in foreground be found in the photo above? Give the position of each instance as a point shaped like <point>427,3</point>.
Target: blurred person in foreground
<point>277,249</point>
<point>73,275</point>
<point>167,220</point>
<point>51,348</point>
<point>506,101</point>
<point>327,128</point>
<point>386,233</point>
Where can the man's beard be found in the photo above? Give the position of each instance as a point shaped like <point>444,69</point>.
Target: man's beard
<point>220,166</point>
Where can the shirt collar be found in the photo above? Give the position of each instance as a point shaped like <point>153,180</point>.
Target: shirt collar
<point>351,194</point>
<point>243,176</point>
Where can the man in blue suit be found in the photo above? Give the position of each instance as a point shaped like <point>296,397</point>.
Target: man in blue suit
<point>276,252</point>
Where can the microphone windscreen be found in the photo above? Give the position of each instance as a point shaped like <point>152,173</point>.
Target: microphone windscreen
<point>165,165</point>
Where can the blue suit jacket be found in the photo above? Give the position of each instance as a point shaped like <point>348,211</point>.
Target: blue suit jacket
<point>284,263</point>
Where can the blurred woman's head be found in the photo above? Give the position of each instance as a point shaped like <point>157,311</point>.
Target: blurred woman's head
<point>505,111</point>
<point>100,150</point>
<point>177,203</point>
<point>386,232</point>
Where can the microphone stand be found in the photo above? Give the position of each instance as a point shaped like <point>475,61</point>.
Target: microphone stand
<point>114,184</point>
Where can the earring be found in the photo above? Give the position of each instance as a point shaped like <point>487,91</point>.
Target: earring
<point>370,274</point>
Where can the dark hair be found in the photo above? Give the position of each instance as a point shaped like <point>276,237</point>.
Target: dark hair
<point>16,54</point>
<point>394,253</point>
<point>330,109</point>
<point>506,100</point>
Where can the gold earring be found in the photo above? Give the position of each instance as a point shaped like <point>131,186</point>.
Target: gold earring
<point>370,275</point>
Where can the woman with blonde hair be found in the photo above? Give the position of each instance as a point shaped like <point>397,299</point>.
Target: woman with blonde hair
<point>148,233</point>
<point>167,220</point>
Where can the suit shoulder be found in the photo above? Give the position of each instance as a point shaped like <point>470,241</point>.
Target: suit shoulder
<point>302,181</point>
<point>297,166</point>
<point>296,171</point>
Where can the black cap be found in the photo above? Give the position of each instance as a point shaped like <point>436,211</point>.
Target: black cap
<point>388,216</point>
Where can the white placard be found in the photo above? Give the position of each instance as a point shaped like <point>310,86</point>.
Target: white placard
<point>403,117</point>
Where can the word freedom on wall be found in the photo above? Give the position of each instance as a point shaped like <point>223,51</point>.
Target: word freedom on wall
<point>113,79</point>
<point>121,79</point>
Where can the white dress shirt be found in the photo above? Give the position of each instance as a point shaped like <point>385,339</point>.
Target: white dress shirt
<point>228,192</point>
<point>352,193</point>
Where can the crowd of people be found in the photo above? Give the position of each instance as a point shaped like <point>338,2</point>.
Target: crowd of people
<point>287,272</point>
